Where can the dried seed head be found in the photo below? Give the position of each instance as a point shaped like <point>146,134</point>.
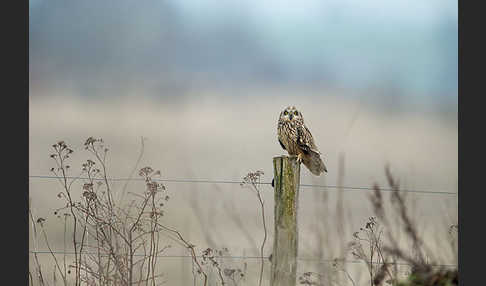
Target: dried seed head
<point>145,171</point>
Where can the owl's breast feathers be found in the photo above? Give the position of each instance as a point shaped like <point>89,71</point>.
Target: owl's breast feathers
<point>287,135</point>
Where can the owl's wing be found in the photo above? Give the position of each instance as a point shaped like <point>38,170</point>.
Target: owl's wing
<point>305,140</point>
<point>281,144</point>
<point>312,159</point>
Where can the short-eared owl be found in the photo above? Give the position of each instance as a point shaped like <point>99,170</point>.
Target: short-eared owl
<point>296,138</point>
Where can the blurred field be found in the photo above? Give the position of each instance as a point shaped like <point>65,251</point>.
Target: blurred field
<point>211,135</point>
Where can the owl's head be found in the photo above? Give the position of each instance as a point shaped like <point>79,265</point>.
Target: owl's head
<point>291,114</point>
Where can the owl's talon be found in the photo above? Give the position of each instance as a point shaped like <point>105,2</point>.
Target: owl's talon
<point>299,158</point>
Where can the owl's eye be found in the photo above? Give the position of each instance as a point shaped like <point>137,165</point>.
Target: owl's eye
<point>285,112</point>
<point>296,113</point>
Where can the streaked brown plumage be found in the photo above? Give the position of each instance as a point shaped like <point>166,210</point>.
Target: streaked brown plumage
<point>296,138</point>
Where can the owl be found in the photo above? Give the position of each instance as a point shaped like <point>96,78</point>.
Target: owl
<point>296,138</point>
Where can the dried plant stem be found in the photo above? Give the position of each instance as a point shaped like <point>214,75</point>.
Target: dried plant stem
<point>220,275</point>
<point>193,273</point>
<point>264,235</point>
<point>52,253</point>
<point>383,260</point>
<point>54,278</point>
<point>64,246</point>
<point>34,233</point>
<point>191,249</point>
<point>253,180</point>
<point>349,277</point>
<point>123,192</point>
<point>60,147</point>
<point>31,279</point>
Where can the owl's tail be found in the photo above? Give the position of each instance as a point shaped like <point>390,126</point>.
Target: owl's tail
<point>314,163</point>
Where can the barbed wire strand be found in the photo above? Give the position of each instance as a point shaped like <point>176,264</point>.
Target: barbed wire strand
<point>241,257</point>
<point>205,181</point>
<point>239,182</point>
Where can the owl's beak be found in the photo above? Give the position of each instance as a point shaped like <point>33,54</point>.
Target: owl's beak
<point>290,116</point>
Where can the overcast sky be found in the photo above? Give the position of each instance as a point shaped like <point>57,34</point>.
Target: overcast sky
<point>410,44</point>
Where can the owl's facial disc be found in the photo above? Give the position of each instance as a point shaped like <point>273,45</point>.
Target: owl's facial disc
<point>290,113</point>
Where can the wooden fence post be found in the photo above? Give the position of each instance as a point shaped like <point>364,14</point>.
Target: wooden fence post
<point>285,243</point>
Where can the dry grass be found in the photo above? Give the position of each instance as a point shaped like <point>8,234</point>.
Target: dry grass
<point>118,241</point>
<point>114,243</point>
<point>378,244</point>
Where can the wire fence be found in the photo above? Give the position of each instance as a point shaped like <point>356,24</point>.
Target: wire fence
<point>246,257</point>
<point>206,181</point>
